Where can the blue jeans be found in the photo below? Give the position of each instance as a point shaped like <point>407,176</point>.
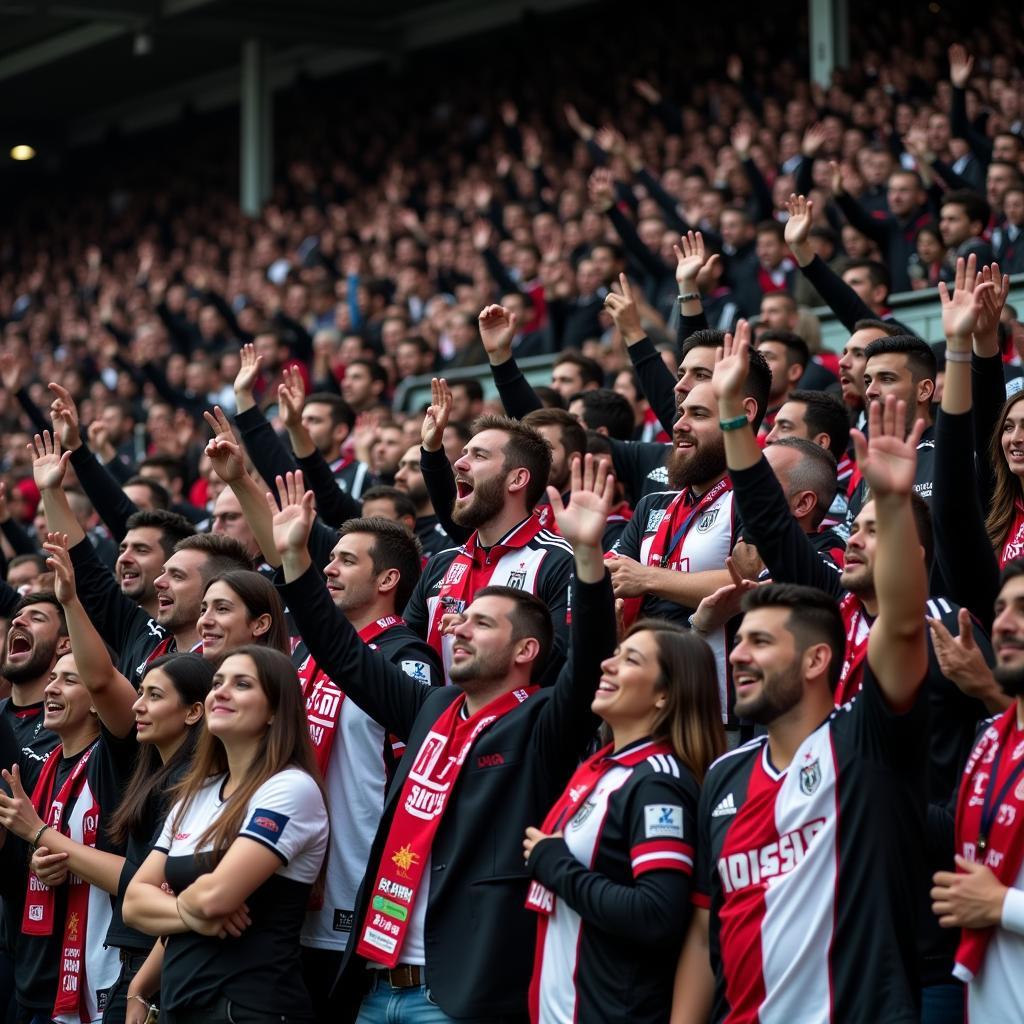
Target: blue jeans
<point>386,1005</point>
<point>942,1004</point>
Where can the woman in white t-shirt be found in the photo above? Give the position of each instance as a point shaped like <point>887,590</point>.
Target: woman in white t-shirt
<point>242,849</point>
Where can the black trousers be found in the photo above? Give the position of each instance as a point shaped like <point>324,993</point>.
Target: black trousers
<point>117,995</point>
<point>331,1005</point>
<point>224,1011</point>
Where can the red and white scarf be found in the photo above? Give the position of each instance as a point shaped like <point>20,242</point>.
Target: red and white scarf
<point>857,629</point>
<point>324,698</point>
<point>990,820</point>
<point>421,805</point>
<point>75,1000</point>
<point>1013,546</point>
<point>471,570</point>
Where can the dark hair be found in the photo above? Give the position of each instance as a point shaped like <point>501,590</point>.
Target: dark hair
<point>574,437</point>
<point>692,717</point>
<point>825,414</point>
<point>975,208</point>
<point>771,227</point>
<point>341,413</point>
<point>172,526</point>
<point>813,618</point>
<point>549,397</point>
<point>796,348</point>
<point>1007,490</point>
<point>394,547</point>
<point>599,444</point>
<point>191,677</point>
<point>816,471</point>
<point>159,494</point>
<point>707,337</point>
<point>174,468</point>
<point>260,597</point>
<point>43,597</point>
<point>758,384</point>
<point>525,448</point>
<point>877,272</point>
<point>284,745</point>
<point>1012,569</point>
<point>464,430</point>
<point>223,553</point>
<point>402,502</point>
<point>590,369</point>
<point>474,389</point>
<point>603,407</point>
<point>867,324</point>
<point>29,556</point>
<point>377,372</point>
<point>530,618</point>
<point>920,357</point>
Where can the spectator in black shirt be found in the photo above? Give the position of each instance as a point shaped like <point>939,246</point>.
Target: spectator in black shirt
<point>962,220</point>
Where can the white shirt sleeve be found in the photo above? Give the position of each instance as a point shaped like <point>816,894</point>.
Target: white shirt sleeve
<point>1013,911</point>
<point>287,814</point>
<point>163,843</point>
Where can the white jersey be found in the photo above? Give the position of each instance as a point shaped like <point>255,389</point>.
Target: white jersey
<point>997,991</point>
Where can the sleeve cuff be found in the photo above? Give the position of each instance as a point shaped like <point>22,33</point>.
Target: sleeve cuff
<point>1013,911</point>
<point>700,899</point>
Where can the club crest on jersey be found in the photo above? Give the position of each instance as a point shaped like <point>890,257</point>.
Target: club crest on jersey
<point>707,520</point>
<point>454,574</point>
<point>810,777</point>
<point>654,518</point>
<point>516,580</point>
<point>580,817</point>
<point>416,670</point>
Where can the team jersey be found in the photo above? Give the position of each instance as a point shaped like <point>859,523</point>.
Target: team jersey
<point>352,477</point>
<point>997,991</point>
<point>34,741</point>
<point>641,466</point>
<point>814,875</point>
<point>431,536</point>
<point>619,880</point>
<point>542,566</point>
<point>361,765</point>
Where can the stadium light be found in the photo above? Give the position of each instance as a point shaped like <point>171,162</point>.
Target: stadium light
<point>22,152</point>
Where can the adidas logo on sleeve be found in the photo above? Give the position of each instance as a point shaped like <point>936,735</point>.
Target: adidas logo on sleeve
<point>727,805</point>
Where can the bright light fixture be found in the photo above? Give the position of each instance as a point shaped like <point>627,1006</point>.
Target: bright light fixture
<point>22,152</point>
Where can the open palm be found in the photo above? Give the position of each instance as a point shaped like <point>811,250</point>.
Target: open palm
<point>293,521</point>
<point>48,465</point>
<point>730,373</point>
<point>887,458</point>
<point>583,520</point>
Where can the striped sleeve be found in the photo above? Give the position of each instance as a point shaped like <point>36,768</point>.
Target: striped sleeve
<point>663,827</point>
<point>661,855</point>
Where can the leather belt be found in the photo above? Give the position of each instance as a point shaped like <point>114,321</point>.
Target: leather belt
<point>406,976</point>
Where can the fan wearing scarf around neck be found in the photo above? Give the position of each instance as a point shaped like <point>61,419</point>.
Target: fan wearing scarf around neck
<point>611,863</point>
<point>63,968</point>
<point>984,897</point>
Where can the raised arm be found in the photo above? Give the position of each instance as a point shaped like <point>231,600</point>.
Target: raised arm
<point>897,644</point>
<point>434,465</point>
<point>380,688</point>
<point>113,696</point>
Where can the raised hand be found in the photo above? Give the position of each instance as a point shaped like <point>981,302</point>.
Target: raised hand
<point>813,140</point>
<point>497,329</point>
<point>625,312</point>
<point>691,260</point>
<point>887,458</point>
<point>219,423</point>
<point>225,457</point>
<point>610,140</point>
<point>986,333</point>
<point>742,139</point>
<point>436,417</point>
<point>835,178</point>
<point>10,372</point>
<point>718,608</point>
<point>249,370</point>
<point>577,124</point>
<point>49,466</point>
<point>601,189</point>
<point>801,216</point>
<point>64,414</point>
<point>291,396</point>
<point>959,657</point>
<point>962,310</point>
<point>644,88</point>
<point>961,64</point>
<point>293,521</point>
<point>732,364</point>
<point>59,562</point>
<point>17,814</point>
<point>592,489</point>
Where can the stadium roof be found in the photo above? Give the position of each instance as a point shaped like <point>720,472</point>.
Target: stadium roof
<point>70,70</point>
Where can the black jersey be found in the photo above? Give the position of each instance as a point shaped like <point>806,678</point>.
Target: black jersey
<point>815,875</point>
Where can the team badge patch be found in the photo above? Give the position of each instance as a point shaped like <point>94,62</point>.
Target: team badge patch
<point>707,520</point>
<point>267,824</point>
<point>416,670</point>
<point>810,777</point>
<point>516,580</point>
<point>580,817</point>
<point>663,821</point>
<point>654,518</point>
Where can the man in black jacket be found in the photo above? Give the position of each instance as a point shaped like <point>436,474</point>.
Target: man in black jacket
<point>440,915</point>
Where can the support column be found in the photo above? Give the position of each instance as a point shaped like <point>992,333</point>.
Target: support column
<point>830,38</point>
<point>256,129</point>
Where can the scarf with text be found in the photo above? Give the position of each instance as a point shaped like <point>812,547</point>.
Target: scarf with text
<point>324,698</point>
<point>471,571</point>
<point>421,805</point>
<point>857,628</point>
<point>990,820</point>
<point>583,782</point>
<point>1013,546</point>
<point>38,917</point>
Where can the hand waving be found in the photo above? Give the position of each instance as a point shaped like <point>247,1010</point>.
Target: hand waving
<point>64,414</point>
<point>291,396</point>
<point>294,519</point>
<point>582,522</point>
<point>497,329</point>
<point>49,466</point>
<point>623,308</point>
<point>436,417</point>
<point>59,561</point>
<point>887,458</point>
<point>251,364</point>
<point>732,364</point>
<point>691,260</point>
<point>962,311</point>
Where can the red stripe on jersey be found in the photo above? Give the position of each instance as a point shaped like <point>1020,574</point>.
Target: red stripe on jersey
<point>700,899</point>
<point>662,855</point>
<point>743,909</point>
<point>835,891</point>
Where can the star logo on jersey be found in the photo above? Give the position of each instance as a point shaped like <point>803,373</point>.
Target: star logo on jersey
<point>810,777</point>
<point>403,858</point>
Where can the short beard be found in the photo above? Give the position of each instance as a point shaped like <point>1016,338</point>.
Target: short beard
<point>479,671</point>
<point>780,692</point>
<point>705,463</point>
<point>1010,680</point>
<point>38,664</point>
<point>861,583</point>
<point>418,495</point>
<point>484,504</point>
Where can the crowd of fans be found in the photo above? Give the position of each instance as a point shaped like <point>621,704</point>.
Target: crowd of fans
<point>784,582</point>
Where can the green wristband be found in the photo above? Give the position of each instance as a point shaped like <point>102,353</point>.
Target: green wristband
<point>736,423</point>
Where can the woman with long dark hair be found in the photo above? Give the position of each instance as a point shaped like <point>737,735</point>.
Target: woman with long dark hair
<point>242,849</point>
<point>612,862</point>
<point>241,607</point>
<point>1005,521</point>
